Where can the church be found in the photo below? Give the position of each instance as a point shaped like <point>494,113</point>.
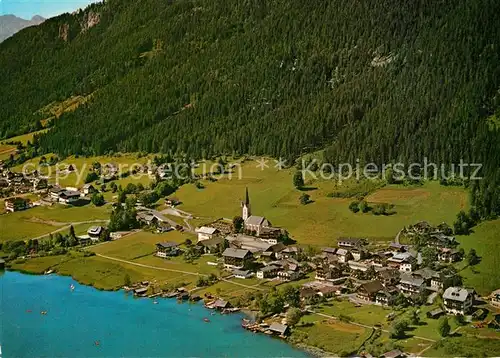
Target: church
<point>257,225</point>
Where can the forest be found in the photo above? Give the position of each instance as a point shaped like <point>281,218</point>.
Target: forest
<point>381,81</point>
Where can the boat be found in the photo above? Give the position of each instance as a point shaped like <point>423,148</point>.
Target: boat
<point>72,287</point>
<point>43,313</point>
<point>28,311</point>
<point>206,320</point>
<point>97,343</point>
<point>155,302</point>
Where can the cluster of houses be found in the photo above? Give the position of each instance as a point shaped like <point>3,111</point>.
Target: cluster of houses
<point>15,183</point>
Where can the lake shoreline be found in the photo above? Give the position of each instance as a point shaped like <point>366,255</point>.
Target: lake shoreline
<point>311,351</point>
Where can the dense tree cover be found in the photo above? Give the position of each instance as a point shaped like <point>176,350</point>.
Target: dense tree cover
<point>379,81</point>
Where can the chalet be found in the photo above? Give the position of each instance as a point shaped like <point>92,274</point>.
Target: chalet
<point>437,282</point>
<point>328,272</point>
<point>289,252</point>
<point>16,204</point>
<point>289,275</point>
<point>350,243</point>
<point>242,274</point>
<point>495,298</point>
<point>211,246</point>
<point>69,196</point>
<point>386,297</point>
<point>448,255</point>
<point>206,233</point>
<point>166,249</point>
<point>94,232</point>
<point>307,292</point>
<point>435,313</point>
<point>54,193</point>
<point>221,304</point>
<point>379,259</point>
<point>344,255</point>
<point>359,254</point>
<point>440,240</point>
<point>278,328</point>
<point>389,277</point>
<point>163,227</point>
<point>367,291</point>
<point>88,189</point>
<point>458,300</point>
<point>410,285</point>
<point>268,271</point>
<point>426,274</point>
<point>145,217</point>
<point>172,201</point>
<point>141,291</point>
<point>271,234</point>
<point>236,258</point>
<point>329,291</point>
<point>403,261</point>
<point>329,250</point>
<point>250,243</point>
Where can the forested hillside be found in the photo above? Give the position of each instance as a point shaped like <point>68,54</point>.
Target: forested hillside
<point>376,80</point>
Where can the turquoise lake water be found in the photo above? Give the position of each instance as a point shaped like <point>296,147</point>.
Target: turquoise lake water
<point>124,326</point>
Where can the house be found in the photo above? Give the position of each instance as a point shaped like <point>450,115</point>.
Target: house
<point>350,243</point>
<point>94,232</point>
<point>440,240</point>
<point>386,297</point>
<point>427,274</point>
<point>236,258</point>
<point>307,292</point>
<point>359,254</point>
<point>220,304</point>
<point>458,300</point>
<point>389,277</point>
<point>367,291</point>
<point>344,255</point>
<point>172,201</point>
<point>166,249</point>
<point>268,271</point>
<point>435,313</point>
<point>289,252</point>
<point>495,298</point>
<point>329,250</point>
<point>329,291</point>
<point>289,275</point>
<point>271,234</point>
<point>411,285</point>
<point>141,291</point>
<point>16,204</point>
<point>404,261</point>
<point>358,266</point>
<point>242,274</point>
<point>278,328</point>
<point>88,189</point>
<point>328,272</point>
<point>211,246</point>
<point>163,227</point>
<point>69,196</point>
<point>206,233</point>
<point>40,184</point>
<point>54,193</point>
<point>448,255</point>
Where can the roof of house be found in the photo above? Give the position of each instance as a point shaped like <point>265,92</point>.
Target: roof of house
<point>342,252</point>
<point>69,193</point>
<point>457,293</point>
<point>350,240</point>
<point>291,249</point>
<point>388,274</point>
<point>402,257</point>
<point>435,312</point>
<point>413,281</point>
<point>206,230</point>
<point>237,253</point>
<point>269,268</point>
<point>211,242</point>
<point>95,230</point>
<point>279,247</point>
<point>220,303</point>
<point>278,327</point>
<point>372,286</point>
<point>256,220</point>
<point>167,244</point>
<point>241,272</point>
<point>329,250</point>
<point>426,273</point>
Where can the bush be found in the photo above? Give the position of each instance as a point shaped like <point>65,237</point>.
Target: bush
<point>354,206</point>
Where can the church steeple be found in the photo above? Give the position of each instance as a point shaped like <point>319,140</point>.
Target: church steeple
<point>245,212</point>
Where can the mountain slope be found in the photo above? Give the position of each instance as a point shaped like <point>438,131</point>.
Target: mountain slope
<point>10,24</point>
<point>379,81</point>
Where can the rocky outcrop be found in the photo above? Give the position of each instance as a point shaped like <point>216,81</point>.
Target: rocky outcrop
<point>90,19</point>
<point>63,32</point>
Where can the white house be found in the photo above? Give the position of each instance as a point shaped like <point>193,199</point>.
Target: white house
<point>69,196</point>
<point>206,233</point>
<point>458,300</point>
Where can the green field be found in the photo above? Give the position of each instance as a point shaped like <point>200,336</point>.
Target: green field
<point>45,219</point>
<point>319,223</point>
<point>485,276</point>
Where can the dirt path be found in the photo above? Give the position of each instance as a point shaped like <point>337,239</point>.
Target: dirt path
<point>67,226</point>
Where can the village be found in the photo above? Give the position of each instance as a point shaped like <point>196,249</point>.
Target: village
<point>416,269</point>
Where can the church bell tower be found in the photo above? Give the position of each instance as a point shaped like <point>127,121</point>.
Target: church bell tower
<point>245,212</point>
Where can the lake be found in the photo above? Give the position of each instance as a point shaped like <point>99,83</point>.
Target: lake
<point>122,326</point>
